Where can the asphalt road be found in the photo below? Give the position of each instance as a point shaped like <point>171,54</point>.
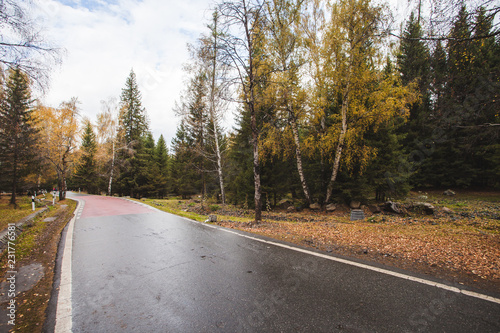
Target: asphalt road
<point>136,269</point>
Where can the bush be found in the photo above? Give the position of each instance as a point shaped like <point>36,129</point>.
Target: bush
<point>214,208</point>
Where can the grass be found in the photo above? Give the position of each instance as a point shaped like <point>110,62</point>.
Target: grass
<point>27,241</point>
<point>178,207</point>
<point>9,214</point>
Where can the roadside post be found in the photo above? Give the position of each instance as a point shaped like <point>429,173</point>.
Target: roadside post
<point>33,202</point>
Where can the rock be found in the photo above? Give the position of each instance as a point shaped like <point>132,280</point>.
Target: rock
<point>447,210</point>
<point>374,209</point>
<point>211,218</point>
<point>315,206</point>
<point>284,204</point>
<point>291,209</point>
<point>392,207</point>
<point>331,207</point>
<point>355,204</point>
<point>425,207</point>
<point>449,193</point>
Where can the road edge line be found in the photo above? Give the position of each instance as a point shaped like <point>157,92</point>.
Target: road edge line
<point>64,322</point>
<point>361,265</point>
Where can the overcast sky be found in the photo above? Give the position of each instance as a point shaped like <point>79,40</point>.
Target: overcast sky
<point>105,39</point>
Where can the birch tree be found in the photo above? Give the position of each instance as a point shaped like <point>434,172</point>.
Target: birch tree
<point>285,46</point>
<point>22,44</point>
<point>107,140</point>
<point>217,102</point>
<point>242,24</point>
<point>353,37</point>
<point>59,138</point>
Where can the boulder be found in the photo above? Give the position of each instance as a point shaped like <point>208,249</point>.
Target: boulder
<point>392,207</point>
<point>355,204</point>
<point>315,206</point>
<point>331,207</point>
<point>375,209</point>
<point>284,204</point>
<point>449,193</point>
<point>211,219</point>
<point>425,207</point>
<point>291,209</point>
<point>447,210</point>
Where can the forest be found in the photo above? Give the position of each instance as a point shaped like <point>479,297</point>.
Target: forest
<point>333,103</point>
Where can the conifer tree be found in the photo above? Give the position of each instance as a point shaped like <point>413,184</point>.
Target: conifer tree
<point>185,178</point>
<point>86,170</point>
<point>414,65</point>
<point>162,161</point>
<point>17,131</point>
<point>133,119</point>
<point>132,131</point>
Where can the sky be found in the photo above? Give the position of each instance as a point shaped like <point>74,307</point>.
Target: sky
<point>103,40</point>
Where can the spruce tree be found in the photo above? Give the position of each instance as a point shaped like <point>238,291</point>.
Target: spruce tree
<point>185,178</point>
<point>162,161</point>
<point>133,128</point>
<point>133,115</point>
<point>17,131</point>
<point>86,171</point>
<point>414,64</point>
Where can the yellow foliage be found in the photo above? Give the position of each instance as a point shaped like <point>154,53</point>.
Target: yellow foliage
<point>58,135</point>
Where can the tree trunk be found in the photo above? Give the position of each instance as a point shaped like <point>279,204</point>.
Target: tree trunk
<point>343,131</point>
<point>256,169</point>
<point>219,169</point>
<point>112,170</point>
<point>298,154</point>
<point>251,104</point>
<point>62,186</point>
<point>212,115</point>
<point>14,181</point>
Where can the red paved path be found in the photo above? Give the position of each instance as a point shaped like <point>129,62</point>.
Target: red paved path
<point>107,206</point>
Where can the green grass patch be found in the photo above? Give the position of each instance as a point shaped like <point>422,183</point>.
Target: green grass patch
<point>178,207</point>
<point>26,242</point>
<point>9,214</point>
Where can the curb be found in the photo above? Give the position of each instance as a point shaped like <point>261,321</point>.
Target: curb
<point>19,227</point>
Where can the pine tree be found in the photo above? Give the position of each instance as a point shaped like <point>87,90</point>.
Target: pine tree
<point>185,177</point>
<point>86,170</point>
<point>132,131</point>
<point>133,116</point>
<point>414,65</point>
<point>162,161</point>
<point>147,172</point>
<point>17,131</point>
<point>466,100</point>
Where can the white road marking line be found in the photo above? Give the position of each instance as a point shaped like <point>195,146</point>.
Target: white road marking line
<point>64,321</point>
<point>360,265</point>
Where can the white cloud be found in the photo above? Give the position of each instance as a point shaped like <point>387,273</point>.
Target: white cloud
<point>104,40</point>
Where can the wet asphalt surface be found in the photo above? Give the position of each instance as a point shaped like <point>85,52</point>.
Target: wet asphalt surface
<point>149,271</point>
